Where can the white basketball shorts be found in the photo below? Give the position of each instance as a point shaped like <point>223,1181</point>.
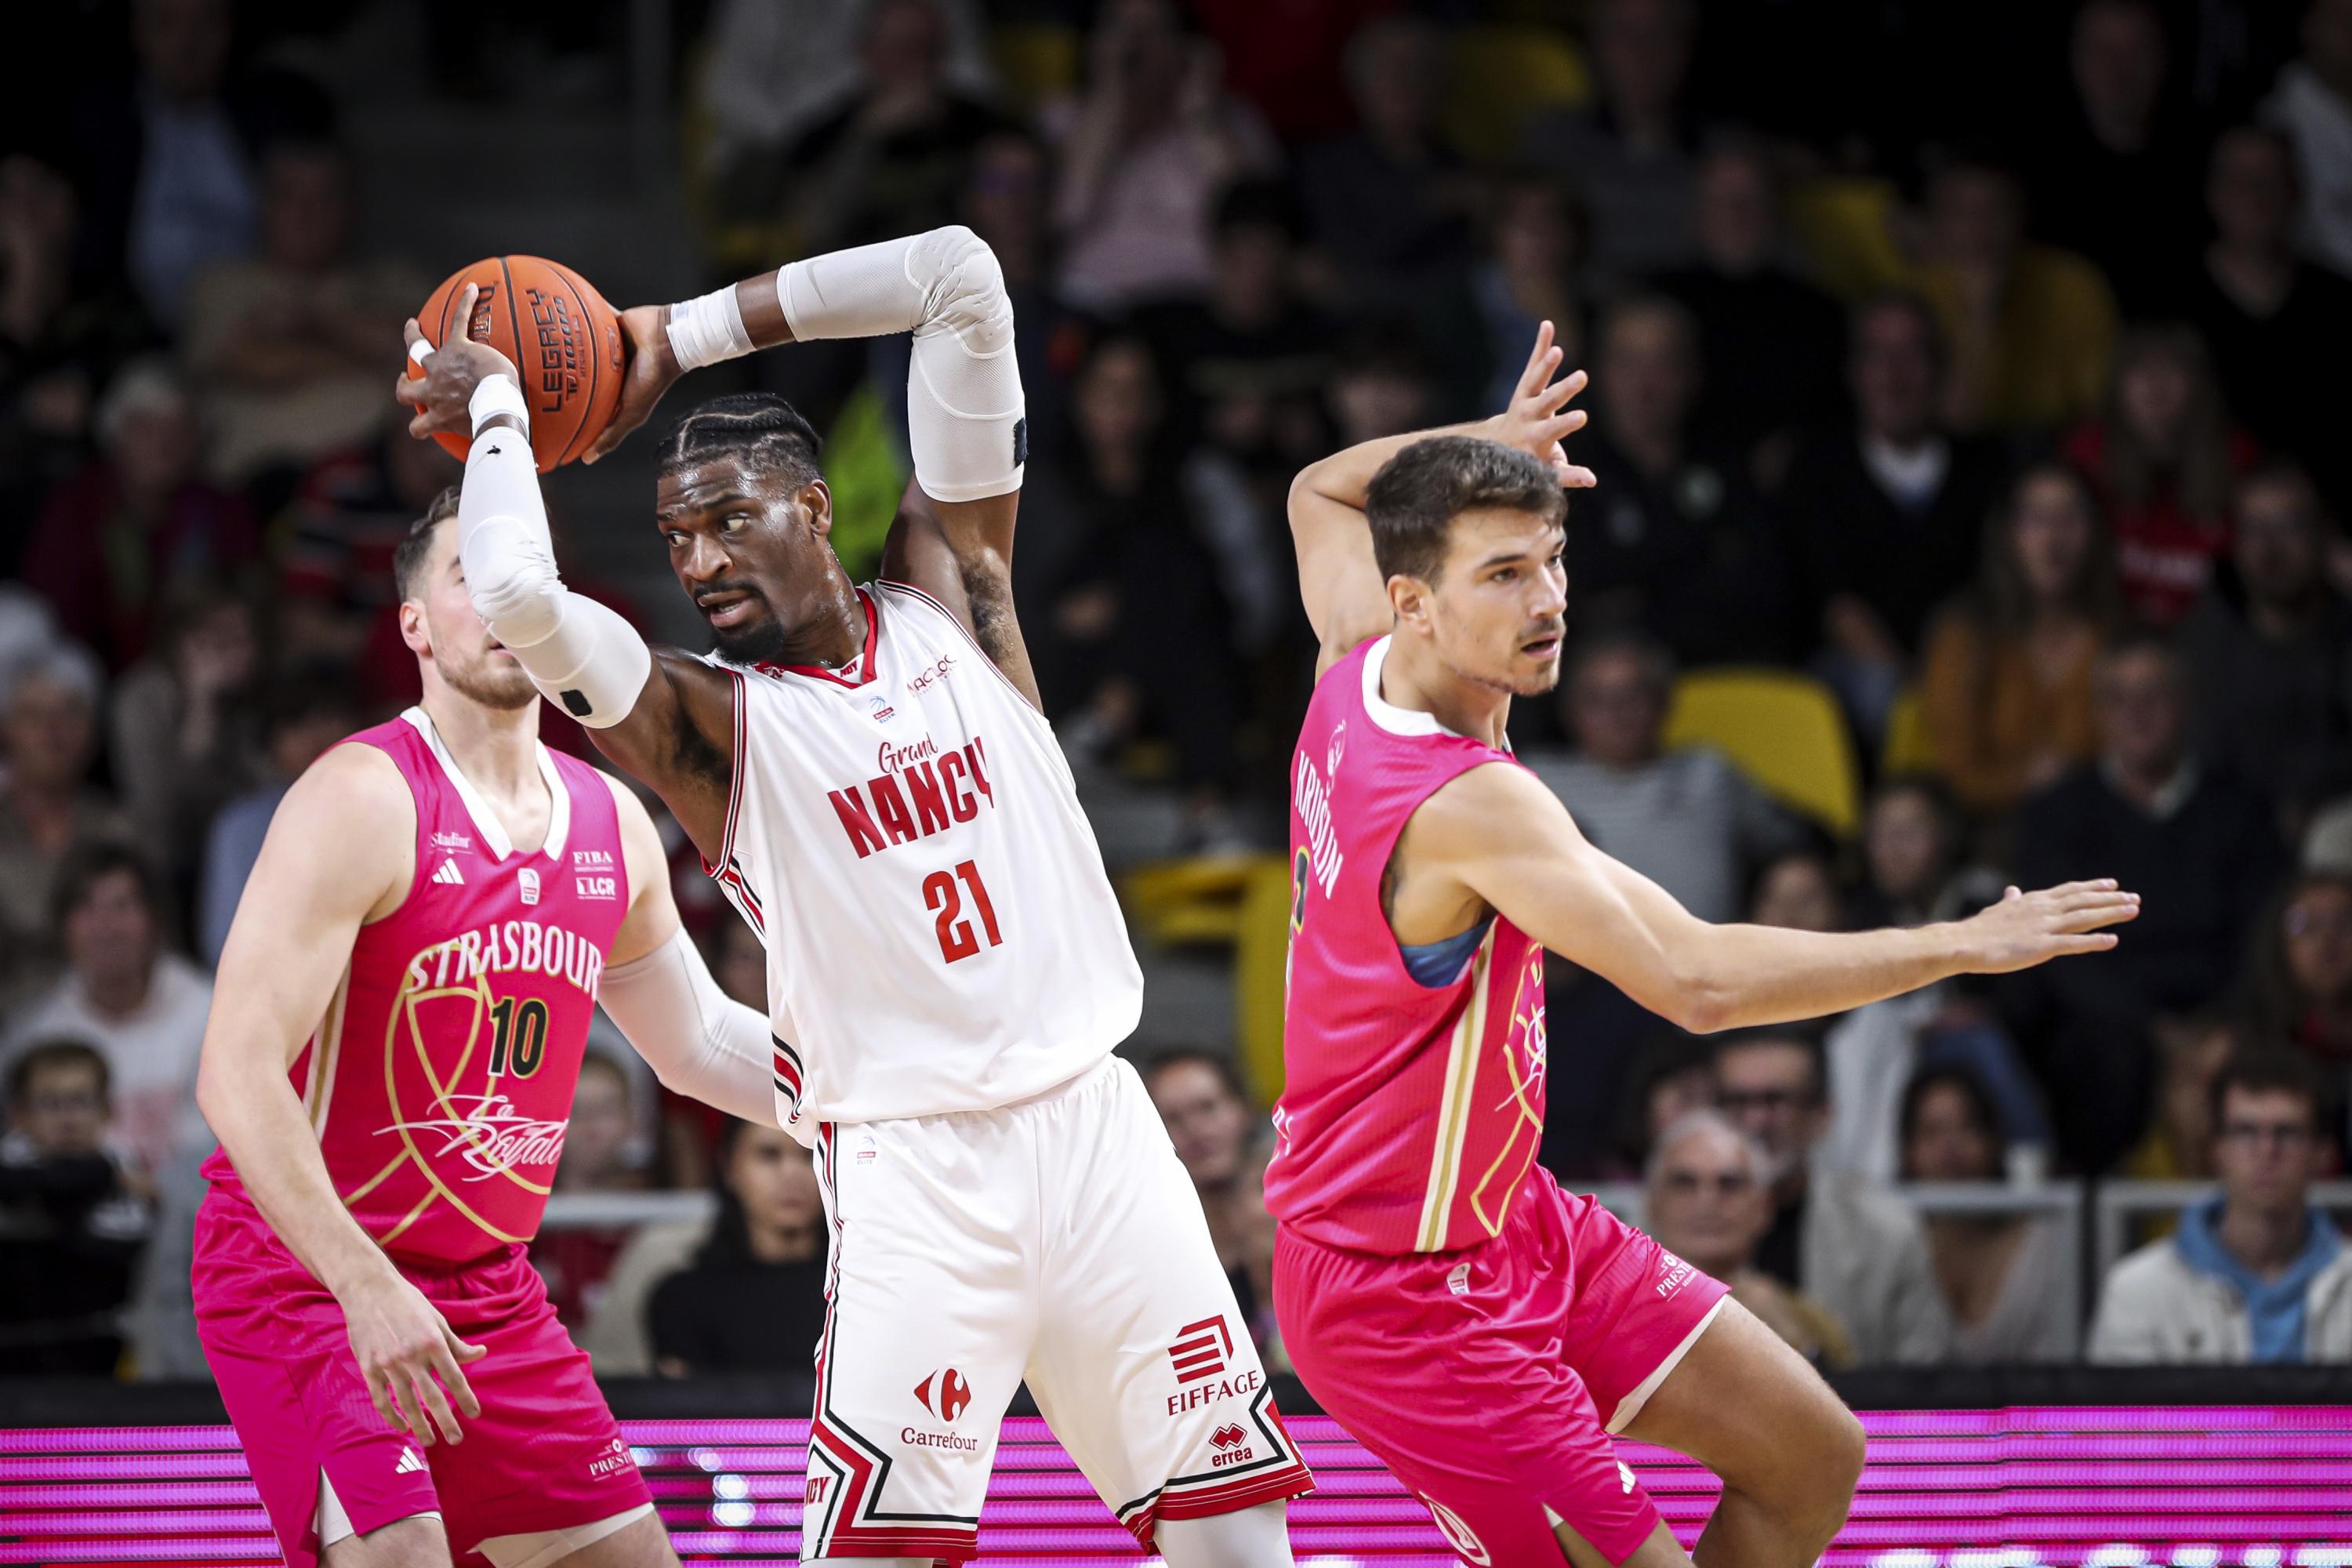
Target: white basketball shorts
<point>1057,1241</point>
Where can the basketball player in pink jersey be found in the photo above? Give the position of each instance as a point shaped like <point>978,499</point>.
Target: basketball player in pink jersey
<point>403,1002</point>
<point>1482,1331</point>
<point>867,773</point>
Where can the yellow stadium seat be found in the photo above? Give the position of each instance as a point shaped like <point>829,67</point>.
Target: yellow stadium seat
<point>1501,78</point>
<point>1907,749</point>
<point>1846,229</point>
<point>1199,900</point>
<point>1782,729</point>
<point>1035,61</point>
<point>1261,966</point>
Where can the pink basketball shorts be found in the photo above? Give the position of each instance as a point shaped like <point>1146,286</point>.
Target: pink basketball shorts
<point>1490,1380</point>
<point>545,1454</point>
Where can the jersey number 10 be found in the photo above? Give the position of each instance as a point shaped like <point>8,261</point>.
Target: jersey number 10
<point>518,1037</point>
<point>957,939</point>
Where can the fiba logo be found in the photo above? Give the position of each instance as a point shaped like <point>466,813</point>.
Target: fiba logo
<point>944,1395</point>
<point>1459,1535</point>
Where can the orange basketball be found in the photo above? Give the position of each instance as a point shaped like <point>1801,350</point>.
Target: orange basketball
<point>564,341</point>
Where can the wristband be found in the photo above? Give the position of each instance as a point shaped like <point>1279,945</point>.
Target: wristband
<point>708,329</point>
<point>495,395</point>
<point>419,351</point>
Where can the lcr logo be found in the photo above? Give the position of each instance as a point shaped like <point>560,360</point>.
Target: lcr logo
<point>1459,1535</point>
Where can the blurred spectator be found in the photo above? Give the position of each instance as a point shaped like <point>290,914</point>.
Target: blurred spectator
<point>1798,891</point>
<point>2001,1274</point>
<point>1388,200</point>
<point>1631,154</point>
<point>1382,384</point>
<point>1144,151</point>
<point>1290,60</point>
<point>1674,539</point>
<point>1209,1121</point>
<point>1768,341</point>
<point>1707,1199</point>
<point>2270,316</point>
<point>2006,691</point>
<point>1137,638</point>
<point>1671,1074</point>
<point>2107,182</point>
<point>186,723</point>
<point>2253,1273</point>
<point>333,556</point>
<point>1911,845</point>
<point>2199,849</point>
<point>170,152</point>
<point>1247,359</point>
<point>1873,1053</point>
<point>2313,105</point>
<point>48,739</point>
<point>1885,516</point>
<point>891,159</point>
<point>306,711</point>
<point>754,1300</point>
<point>71,1220</point>
<point>63,333</point>
<point>2299,989</point>
<point>289,349</point>
<point>115,535</point>
<point>2269,649</point>
<point>2163,456</point>
<point>141,1006</point>
<point>2180,1143</point>
<point>575,1261</point>
<point>775,66</point>
<point>1004,200</point>
<point>1686,819</point>
<point>1254,1231</point>
<point>1535,245</point>
<point>2029,328</point>
<point>1848,1245</point>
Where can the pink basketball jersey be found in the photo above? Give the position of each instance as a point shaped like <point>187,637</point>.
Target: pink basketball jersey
<point>1411,1113</point>
<point>440,1079</point>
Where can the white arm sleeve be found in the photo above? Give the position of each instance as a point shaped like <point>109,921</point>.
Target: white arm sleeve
<point>698,1041</point>
<point>582,656</point>
<point>965,416</point>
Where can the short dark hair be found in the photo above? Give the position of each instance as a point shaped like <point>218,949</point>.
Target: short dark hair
<point>1951,1075</point>
<point>1257,204</point>
<point>92,860</point>
<point>1417,494</point>
<point>55,1052</point>
<point>2135,640</point>
<point>758,429</point>
<point>408,561</point>
<point>1798,1036</point>
<point>2273,1069</point>
<point>1160,1061</point>
<point>1904,301</point>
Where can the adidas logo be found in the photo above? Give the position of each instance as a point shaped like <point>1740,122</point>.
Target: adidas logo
<point>450,876</point>
<point>409,1462</point>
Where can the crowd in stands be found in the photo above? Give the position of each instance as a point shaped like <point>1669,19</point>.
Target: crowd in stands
<point>1995,421</point>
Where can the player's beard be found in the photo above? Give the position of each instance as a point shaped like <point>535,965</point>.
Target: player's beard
<point>759,642</point>
<point>502,688</point>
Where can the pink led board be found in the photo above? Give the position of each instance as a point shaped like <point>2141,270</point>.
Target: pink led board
<point>2251,1487</point>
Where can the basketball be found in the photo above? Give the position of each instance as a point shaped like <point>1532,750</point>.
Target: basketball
<point>564,341</point>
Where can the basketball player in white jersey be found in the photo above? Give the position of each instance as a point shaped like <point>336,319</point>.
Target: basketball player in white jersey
<point>867,773</point>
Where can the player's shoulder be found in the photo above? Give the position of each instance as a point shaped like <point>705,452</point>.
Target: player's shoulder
<point>1486,800</point>
<point>352,780</point>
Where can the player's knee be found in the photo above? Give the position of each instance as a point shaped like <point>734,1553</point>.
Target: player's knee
<point>1833,1446</point>
<point>965,287</point>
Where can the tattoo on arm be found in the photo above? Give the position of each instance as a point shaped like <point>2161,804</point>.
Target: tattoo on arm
<point>988,590</point>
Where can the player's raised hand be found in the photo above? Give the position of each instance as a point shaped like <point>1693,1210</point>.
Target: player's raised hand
<point>2026,929</point>
<point>653,367</point>
<point>411,1358</point>
<point>440,380</point>
<point>1539,416</point>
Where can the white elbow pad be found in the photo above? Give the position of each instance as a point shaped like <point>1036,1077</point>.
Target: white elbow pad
<point>592,665</point>
<point>510,576</point>
<point>964,408</point>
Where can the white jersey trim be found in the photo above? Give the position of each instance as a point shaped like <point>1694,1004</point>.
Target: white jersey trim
<point>957,621</point>
<point>486,821</point>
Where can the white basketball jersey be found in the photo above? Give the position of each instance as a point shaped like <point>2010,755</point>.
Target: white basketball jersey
<point>904,837</point>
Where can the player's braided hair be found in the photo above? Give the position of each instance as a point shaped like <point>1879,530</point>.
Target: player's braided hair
<point>1414,500</point>
<point>765,432</point>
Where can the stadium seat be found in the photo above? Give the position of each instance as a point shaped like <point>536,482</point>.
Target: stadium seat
<point>1907,749</point>
<point>1782,729</point>
<point>1502,76</point>
<point>1261,973</point>
<point>1035,61</point>
<point>1193,901</point>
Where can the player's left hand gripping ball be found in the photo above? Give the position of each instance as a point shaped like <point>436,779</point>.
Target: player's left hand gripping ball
<point>562,340</point>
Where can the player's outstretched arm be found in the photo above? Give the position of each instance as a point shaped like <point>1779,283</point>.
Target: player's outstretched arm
<point>965,411</point>
<point>1346,596</point>
<point>339,853</point>
<point>656,986</point>
<point>1506,840</point>
<point>669,718</point>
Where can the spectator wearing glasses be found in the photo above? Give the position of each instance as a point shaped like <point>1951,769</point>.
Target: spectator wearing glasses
<point>1708,1200</point>
<point>2253,1273</point>
<point>2300,983</point>
<point>2000,1273</point>
<point>1848,1245</point>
